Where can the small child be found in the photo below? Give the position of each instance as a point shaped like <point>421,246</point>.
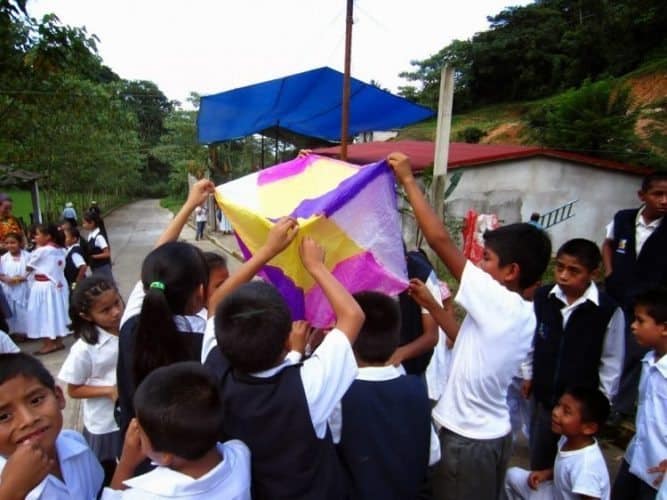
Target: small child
<point>384,420</point>
<point>579,339</point>
<point>39,460</point>
<point>99,251</point>
<point>579,470</point>
<point>90,367</point>
<point>178,423</point>
<point>75,262</point>
<point>217,275</point>
<point>638,476</point>
<point>14,277</point>
<point>494,338</point>
<point>279,408</point>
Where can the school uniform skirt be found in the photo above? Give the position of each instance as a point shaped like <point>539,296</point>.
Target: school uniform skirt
<point>47,311</point>
<point>105,446</point>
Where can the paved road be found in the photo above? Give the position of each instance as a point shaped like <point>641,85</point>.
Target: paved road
<point>133,230</point>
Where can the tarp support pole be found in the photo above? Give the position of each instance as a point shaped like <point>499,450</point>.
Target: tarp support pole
<point>345,116</point>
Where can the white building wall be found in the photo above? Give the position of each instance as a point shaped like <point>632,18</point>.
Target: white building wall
<point>515,189</point>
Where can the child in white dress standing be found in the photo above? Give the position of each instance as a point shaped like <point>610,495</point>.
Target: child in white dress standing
<point>48,292</point>
<point>90,367</point>
<point>14,278</point>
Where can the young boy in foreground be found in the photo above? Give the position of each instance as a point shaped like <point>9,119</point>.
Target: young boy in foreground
<point>493,340</point>
<point>579,470</point>
<point>39,460</point>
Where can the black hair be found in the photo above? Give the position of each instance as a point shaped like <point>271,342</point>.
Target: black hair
<point>74,232</point>
<point>179,269</point>
<point>380,334</point>
<point>215,261</point>
<point>17,364</point>
<point>585,251</point>
<point>655,303</point>
<point>535,216</point>
<point>252,325</point>
<point>594,405</point>
<point>82,299</point>
<point>95,218</point>
<point>179,407</point>
<point>57,236</point>
<point>651,178</point>
<point>523,244</point>
<point>18,237</point>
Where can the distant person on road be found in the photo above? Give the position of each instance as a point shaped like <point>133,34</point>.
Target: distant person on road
<point>201,216</point>
<point>69,214</point>
<point>95,208</point>
<point>99,251</point>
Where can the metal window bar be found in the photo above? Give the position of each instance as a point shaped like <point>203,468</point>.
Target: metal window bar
<point>558,215</point>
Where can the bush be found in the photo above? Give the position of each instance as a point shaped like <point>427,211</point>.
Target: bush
<point>471,135</point>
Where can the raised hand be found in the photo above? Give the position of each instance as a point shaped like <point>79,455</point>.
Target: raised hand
<point>281,235</point>
<point>400,164</point>
<point>312,254</point>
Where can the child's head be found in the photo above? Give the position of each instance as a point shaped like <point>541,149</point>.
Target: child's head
<point>48,233</point>
<point>95,302</point>
<point>90,220</point>
<point>30,404</point>
<point>179,411</point>
<point>580,411</point>
<point>175,277</point>
<point>217,271</point>
<point>650,324</point>
<point>13,243</point>
<point>577,262</point>
<point>252,327</point>
<point>72,236</point>
<point>535,217</point>
<point>516,255</point>
<point>653,194</point>
<point>380,334</point>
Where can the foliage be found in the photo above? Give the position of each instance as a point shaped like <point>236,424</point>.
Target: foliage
<point>471,135</point>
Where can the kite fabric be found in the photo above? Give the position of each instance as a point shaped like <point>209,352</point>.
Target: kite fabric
<point>350,210</point>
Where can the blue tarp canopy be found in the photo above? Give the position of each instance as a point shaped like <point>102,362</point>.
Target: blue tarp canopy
<point>306,104</point>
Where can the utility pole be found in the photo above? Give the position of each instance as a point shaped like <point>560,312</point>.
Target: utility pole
<point>345,112</point>
<point>445,102</point>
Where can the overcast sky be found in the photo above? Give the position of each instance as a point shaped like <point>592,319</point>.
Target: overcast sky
<point>210,46</point>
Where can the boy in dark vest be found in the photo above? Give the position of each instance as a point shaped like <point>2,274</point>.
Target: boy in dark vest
<point>578,341</point>
<point>634,258</point>
<point>75,262</point>
<point>278,407</point>
<point>384,420</point>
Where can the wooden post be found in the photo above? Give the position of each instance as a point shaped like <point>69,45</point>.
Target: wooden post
<point>345,112</point>
<point>36,209</point>
<point>443,129</point>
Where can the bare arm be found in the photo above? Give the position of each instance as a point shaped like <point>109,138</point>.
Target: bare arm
<point>130,457</point>
<point>279,237</point>
<point>104,254</point>
<point>92,391</point>
<point>443,316</point>
<point>349,316</point>
<point>81,274</point>
<point>199,193</point>
<point>434,231</point>
<point>607,253</point>
<point>424,343</point>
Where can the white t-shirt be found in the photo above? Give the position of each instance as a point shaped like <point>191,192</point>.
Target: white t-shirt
<point>94,365</point>
<point>201,214</point>
<point>493,340</point>
<point>580,472</point>
<point>7,345</point>
<point>229,480</point>
<point>82,473</point>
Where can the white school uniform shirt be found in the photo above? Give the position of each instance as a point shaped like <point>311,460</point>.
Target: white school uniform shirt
<point>97,238</point>
<point>7,345</point>
<point>82,473</point>
<point>642,230</point>
<point>494,338</point>
<point>580,472</point>
<point>648,447</point>
<point>325,376</point>
<point>94,365</point>
<point>662,492</point>
<point>613,345</point>
<point>77,259</point>
<point>229,480</point>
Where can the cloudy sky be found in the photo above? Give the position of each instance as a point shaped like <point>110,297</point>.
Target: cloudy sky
<point>210,46</point>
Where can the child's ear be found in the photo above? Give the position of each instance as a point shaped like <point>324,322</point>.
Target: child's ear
<point>512,272</point>
<point>589,428</point>
<point>60,397</point>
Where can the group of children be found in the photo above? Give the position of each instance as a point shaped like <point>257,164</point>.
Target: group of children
<point>221,395</point>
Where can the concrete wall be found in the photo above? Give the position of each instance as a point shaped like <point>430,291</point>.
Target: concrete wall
<point>515,189</point>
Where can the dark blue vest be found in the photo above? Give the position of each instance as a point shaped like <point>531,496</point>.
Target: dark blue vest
<point>271,416</point>
<point>93,249</point>
<point>71,271</point>
<point>385,438</point>
<point>571,357</point>
<point>634,274</point>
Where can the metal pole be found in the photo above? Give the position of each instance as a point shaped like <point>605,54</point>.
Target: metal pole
<point>344,122</point>
<point>443,129</point>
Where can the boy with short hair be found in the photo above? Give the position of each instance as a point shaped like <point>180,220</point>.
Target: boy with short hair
<point>579,470</point>
<point>39,460</point>
<point>493,340</point>
<point>279,408</point>
<point>579,339</point>
<point>633,255</point>
<point>642,465</point>
<point>383,424</point>
<point>177,425</point>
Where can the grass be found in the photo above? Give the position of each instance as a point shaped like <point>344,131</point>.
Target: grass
<point>22,204</point>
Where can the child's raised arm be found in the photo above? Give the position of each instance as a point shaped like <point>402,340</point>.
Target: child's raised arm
<point>349,316</point>
<point>24,470</point>
<point>434,231</point>
<point>444,317</point>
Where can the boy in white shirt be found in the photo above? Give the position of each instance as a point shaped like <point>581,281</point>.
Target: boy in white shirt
<point>579,470</point>
<point>178,422</point>
<point>639,475</point>
<point>492,341</point>
<point>39,460</point>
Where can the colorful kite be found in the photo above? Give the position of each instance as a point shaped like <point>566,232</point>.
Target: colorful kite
<point>349,209</point>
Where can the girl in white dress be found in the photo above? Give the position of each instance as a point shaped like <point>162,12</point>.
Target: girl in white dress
<point>48,300</point>
<point>14,278</point>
